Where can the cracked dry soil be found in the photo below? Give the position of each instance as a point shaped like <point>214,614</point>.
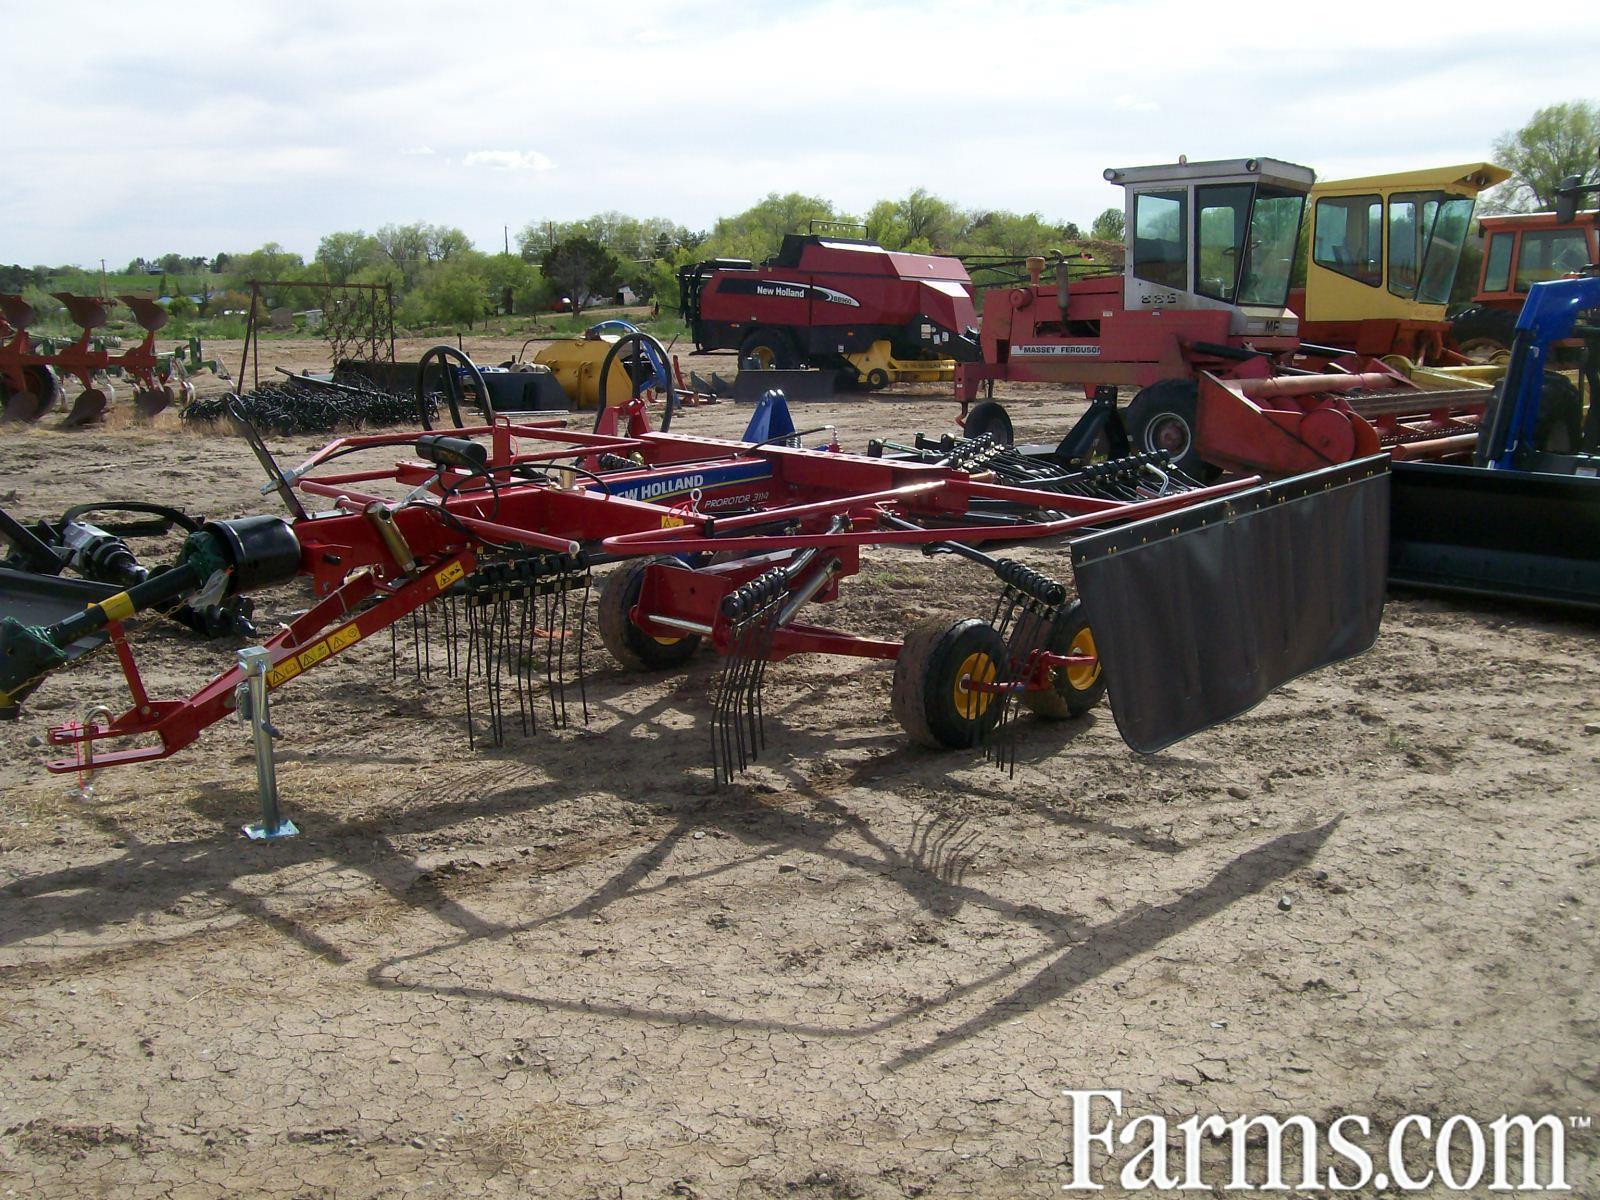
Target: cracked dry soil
<point>568,967</point>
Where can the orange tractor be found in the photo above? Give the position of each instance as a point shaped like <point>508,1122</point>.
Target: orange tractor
<point>1520,250</point>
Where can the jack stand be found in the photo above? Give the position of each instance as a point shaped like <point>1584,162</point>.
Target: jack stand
<point>273,826</point>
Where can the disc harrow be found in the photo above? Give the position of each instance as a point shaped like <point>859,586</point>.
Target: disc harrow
<point>484,541</point>
<point>31,368</point>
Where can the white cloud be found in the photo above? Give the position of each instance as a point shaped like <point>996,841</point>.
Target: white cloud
<point>333,126</point>
<point>509,160</point>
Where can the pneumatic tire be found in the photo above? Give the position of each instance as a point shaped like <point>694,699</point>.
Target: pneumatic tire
<point>631,646</point>
<point>932,698</point>
<point>769,349</point>
<point>988,417</point>
<point>1162,417</point>
<point>1077,688</point>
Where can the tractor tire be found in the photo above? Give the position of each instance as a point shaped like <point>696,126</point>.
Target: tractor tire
<point>1482,334</point>
<point>769,350</point>
<point>1559,429</point>
<point>1560,426</point>
<point>877,379</point>
<point>632,647</point>
<point>988,417</point>
<point>1077,689</point>
<point>931,699</point>
<point>1162,417</point>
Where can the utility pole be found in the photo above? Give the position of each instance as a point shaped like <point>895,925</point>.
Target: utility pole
<point>507,230</point>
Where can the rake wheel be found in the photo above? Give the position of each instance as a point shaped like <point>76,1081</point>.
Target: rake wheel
<point>631,646</point>
<point>1077,689</point>
<point>933,698</point>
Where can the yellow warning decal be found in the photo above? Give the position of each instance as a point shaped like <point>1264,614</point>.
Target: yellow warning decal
<point>449,575</point>
<point>118,607</point>
<point>672,522</point>
<point>340,638</point>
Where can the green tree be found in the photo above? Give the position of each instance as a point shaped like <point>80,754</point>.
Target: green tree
<point>921,221</point>
<point>271,261</point>
<point>579,268</point>
<point>1559,140</point>
<point>342,256</point>
<point>1108,226</point>
<point>757,232</point>
<point>1015,234</point>
<point>630,238</point>
<point>414,247</point>
<point>454,293</point>
<point>515,286</point>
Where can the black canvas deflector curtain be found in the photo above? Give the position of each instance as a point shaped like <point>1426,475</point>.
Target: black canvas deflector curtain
<point>1199,615</point>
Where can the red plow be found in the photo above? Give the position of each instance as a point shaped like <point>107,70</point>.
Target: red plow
<point>490,536</point>
<point>30,369</point>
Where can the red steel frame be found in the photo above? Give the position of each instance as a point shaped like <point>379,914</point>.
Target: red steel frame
<point>831,501</point>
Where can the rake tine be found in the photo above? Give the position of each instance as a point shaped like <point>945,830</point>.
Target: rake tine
<point>472,651</point>
<point>549,607</point>
<point>583,627</point>
<point>769,631</point>
<point>416,645</point>
<point>498,678</point>
<point>523,649</point>
<point>561,649</point>
<point>721,744</point>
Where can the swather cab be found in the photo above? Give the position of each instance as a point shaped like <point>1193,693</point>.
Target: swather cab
<point>1384,253</point>
<point>1210,249</point>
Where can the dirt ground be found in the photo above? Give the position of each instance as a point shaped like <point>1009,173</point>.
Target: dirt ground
<point>569,967</point>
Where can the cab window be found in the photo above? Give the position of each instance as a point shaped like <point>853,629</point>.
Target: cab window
<point>1497,263</point>
<point>1443,235</point>
<point>1550,254</point>
<point>1221,214</point>
<point>1350,237</point>
<point>1403,218</point>
<point>1160,238</point>
<point>1270,250</point>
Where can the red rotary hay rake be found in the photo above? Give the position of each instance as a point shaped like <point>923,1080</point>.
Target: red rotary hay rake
<point>1193,601</point>
<point>30,377</point>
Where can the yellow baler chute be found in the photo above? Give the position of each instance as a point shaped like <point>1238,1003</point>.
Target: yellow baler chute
<point>576,363</point>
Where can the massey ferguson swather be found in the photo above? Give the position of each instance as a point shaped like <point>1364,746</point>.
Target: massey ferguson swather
<point>1193,601</point>
<point>29,374</point>
<point>1199,318</point>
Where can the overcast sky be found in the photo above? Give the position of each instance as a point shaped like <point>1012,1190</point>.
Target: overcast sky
<point>138,129</point>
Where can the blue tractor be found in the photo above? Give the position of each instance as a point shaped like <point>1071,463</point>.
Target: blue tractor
<point>1522,521</point>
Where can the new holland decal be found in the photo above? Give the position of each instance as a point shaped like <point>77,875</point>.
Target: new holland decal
<point>778,289</point>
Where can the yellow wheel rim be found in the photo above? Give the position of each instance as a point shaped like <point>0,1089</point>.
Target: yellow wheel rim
<point>1082,675</point>
<point>763,357</point>
<point>977,667</point>
<point>667,641</point>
